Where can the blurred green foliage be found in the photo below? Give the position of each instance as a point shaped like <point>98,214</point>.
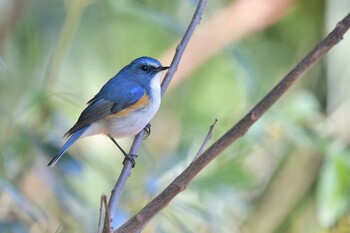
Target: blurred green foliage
<point>58,55</point>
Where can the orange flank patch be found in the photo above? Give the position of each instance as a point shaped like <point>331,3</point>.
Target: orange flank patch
<point>139,104</point>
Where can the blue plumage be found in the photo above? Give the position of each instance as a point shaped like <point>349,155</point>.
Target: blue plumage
<point>123,106</point>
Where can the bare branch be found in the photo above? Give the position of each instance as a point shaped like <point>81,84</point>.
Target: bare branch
<point>211,37</point>
<point>181,47</point>
<point>125,173</point>
<point>237,131</point>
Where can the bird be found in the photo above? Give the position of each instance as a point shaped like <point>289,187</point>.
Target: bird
<point>123,107</point>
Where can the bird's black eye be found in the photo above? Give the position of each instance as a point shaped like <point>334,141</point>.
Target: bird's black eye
<point>144,68</point>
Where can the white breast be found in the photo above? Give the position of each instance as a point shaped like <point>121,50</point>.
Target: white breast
<point>132,124</point>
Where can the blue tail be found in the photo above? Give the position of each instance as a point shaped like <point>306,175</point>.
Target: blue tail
<point>66,146</point>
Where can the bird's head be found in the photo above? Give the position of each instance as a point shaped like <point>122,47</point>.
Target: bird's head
<point>145,68</point>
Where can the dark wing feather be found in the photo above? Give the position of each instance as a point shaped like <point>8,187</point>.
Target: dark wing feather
<point>92,113</point>
<point>108,102</point>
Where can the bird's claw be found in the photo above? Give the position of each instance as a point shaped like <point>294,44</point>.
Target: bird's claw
<point>130,158</point>
<point>147,130</point>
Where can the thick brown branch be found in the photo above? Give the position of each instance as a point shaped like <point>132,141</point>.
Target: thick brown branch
<point>180,183</point>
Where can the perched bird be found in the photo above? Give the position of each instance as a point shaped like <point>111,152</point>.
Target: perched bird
<point>123,107</point>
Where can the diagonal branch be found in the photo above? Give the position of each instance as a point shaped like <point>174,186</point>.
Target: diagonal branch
<point>237,131</point>
<point>125,173</point>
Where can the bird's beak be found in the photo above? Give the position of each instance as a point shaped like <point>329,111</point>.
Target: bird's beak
<point>161,68</point>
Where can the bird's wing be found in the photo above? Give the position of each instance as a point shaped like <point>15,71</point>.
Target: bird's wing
<point>113,100</point>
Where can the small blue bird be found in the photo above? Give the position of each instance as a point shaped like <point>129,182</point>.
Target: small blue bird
<point>123,107</point>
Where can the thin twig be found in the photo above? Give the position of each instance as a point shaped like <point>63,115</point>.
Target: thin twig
<point>103,202</point>
<point>237,131</point>
<point>107,213</point>
<point>100,215</point>
<point>206,140</point>
<point>125,173</point>
<point>180,49</point>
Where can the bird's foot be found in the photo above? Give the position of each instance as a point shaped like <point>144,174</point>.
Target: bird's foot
<point>130,158</point>
<point>147,130</point>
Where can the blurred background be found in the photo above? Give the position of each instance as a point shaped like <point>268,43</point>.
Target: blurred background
<point>289,173</point>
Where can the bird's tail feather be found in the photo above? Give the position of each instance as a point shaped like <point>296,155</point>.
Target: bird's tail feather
<point>66,146</point>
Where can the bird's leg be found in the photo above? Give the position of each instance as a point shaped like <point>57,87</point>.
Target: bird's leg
<point>147,130</point>
<point>131,158</point>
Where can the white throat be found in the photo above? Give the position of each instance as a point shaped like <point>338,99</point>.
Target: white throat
<point>155,85</point>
